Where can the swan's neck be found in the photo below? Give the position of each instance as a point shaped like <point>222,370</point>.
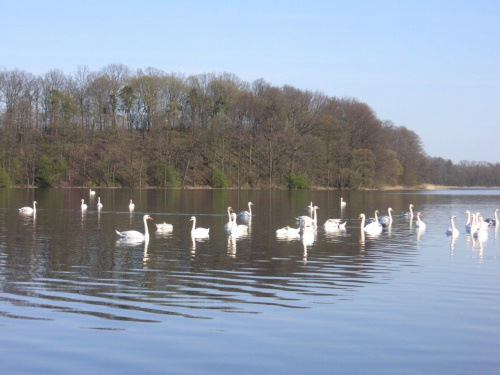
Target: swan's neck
<point>250,209</point>
<point>146,231</point>
<point>452,225</point>
<point>194,225</point>
<point>362,222</point>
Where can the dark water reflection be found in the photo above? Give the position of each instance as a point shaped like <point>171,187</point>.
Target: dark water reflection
<point>389,299</point>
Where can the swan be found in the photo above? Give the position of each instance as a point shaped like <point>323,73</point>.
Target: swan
<point>246,214</point>
<point>479,229</point>
<point>131,206</point>
<point>493,221</point>
<point>373,219</point>
<point>310,208</point>
<point>420,224</point>
<point>136,235</point>
<point>386,220</point>
<point>99,204</point>
<point>480,222</point>
<point>198,232</point>
<point>283,231</point>
<point>309,221</point>
<point>84,205</point>
<point>408,213</point>
<point>164,227</point>
<point>229,223</point>
<point>28,210</point>
<point>468,224</point>
<point>452,231</point>
<point>288,232</point>
<point>237,228</point>
<point>334,225</point>
<point>307,226</point>
<point>92,192</point>
<point>374,227</point>
<point>331,224</point>
<point>342,203</point>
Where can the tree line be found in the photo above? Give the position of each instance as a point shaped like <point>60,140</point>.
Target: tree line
<point>149,128</point>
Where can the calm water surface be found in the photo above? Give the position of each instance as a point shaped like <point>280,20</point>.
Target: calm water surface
<point>75,299</point>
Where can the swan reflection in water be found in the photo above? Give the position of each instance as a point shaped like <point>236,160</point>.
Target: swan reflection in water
<point>231,245</point>
<point>453,240</point>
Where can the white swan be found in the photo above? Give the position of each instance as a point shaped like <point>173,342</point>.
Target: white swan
<point>164,227</point>
<point>479,230</point>
<point>331,224</point>
<point>136,235</point>
<point>310,208</point>
<point>92,192</point>
<point>408,213</point>
<point>373,228</point>
<point>468,224</point>
<point>386,220</point>
<point>452,231</point>
<point>83,205</point>
<point>28,210</point>
<point>198,232</point>
<point>237,228</point>
<point>342,203</point>
<point>131,206</point>
<point>229,223</point>
<point>246,214</point>
<point>288,232</point>
<point>373,219</point>
<point>420,224</point>
<point>334,225</point>
<point>309,221</point>
<point>99,204</point>
<point>306,227</point>
<point>492,221</point>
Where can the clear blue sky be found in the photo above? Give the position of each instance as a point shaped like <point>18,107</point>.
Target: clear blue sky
<point>432,66</point>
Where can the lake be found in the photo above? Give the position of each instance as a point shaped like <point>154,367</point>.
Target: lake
<point>76,299</point>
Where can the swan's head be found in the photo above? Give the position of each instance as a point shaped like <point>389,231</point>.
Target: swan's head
<point>230,209</point>
<point>453,217</point>
<point>35,202</point>
<point>496,209</point>
<point>192,218</point>
<point>419,214</point>
<point>250,203</point>
<point>466,212</point>
<point>411,205</point>
<point>361,216</point>
<point>147,217</point>
<point>82,200</point>
<point>389,209</point>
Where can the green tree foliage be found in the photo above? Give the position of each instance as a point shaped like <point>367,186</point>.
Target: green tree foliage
<point>5,180</point>
<point>50,171</point>
<point>118,128</point>
<point>219,179</point>
<point>298,182</point>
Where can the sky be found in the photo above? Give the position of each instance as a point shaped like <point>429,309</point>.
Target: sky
<point>432,66</point>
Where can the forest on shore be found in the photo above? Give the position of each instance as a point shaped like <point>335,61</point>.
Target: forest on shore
<point>148,128</point>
